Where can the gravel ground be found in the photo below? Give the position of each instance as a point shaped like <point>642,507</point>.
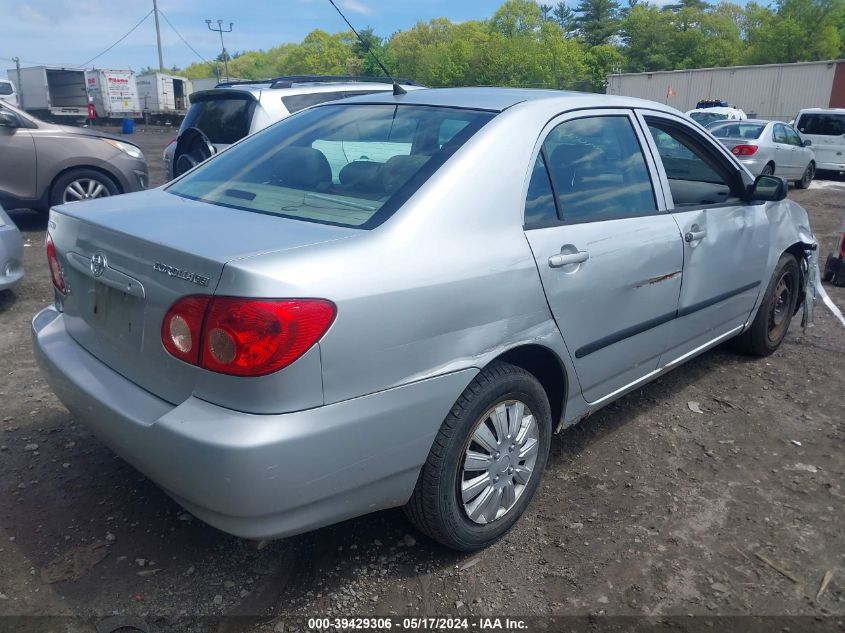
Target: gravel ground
<point>647,508</point>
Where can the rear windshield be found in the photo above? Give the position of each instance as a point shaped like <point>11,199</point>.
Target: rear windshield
<point>5,88</point>
<point>224,120</point>
<point>346,165</point>
<point>705,118</point>
<point>739,130</point>
<point>823,124</point>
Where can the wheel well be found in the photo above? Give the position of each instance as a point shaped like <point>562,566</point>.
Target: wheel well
<point>797,251</point>
<point>105,173</point>
<point>546,367</point>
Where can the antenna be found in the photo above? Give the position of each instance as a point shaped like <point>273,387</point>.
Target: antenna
<point>397,89</point>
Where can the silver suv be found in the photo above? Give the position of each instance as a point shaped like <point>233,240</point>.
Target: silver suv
<point>230,111</point>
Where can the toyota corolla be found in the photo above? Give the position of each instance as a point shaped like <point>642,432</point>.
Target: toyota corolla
<point>396,300</point>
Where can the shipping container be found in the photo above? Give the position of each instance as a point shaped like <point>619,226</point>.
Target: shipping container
<point>163,97</point>
<point>770,91</point>
<point>52,92</point>
<point>114,93</point>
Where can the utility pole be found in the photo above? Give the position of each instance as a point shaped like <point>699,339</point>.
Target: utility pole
<point>17,61</point>
<point>221,30</point>
<point>158,37</point>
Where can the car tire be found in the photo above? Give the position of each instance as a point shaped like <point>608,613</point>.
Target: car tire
<point>768,170</point>
<point>439,507</point>
<point>81,184</point>
<point>774,315</point>
<point>807,178</point>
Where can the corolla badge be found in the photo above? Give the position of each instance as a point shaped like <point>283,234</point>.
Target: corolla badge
<point>98,263</point>
<point>187,275</point>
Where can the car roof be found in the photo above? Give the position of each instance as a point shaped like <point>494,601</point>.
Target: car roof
<point>743,121</point>
<point>717,110</point>
<point>499,99</point>
<point>831,110</point>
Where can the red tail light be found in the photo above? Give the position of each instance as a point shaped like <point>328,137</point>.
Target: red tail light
<point>744,150</point>
<point>55,267</point>
<point>244,337</point>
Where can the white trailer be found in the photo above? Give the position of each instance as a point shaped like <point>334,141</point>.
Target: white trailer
<point>52,92</point>
<point>114,93</point>
<point>163,97</point>
<point>770,91</point>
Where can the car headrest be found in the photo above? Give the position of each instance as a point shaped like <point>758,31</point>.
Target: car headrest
<point>400,169</point>
<point>361,174</point>
<point>301,167</point>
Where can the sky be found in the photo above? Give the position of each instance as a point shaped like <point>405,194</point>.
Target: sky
<point>72,32</point>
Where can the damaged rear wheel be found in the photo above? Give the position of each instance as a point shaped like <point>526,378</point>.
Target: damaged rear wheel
<point>775,313</point>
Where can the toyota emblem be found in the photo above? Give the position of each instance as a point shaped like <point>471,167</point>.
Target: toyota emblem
<point>98,264</point>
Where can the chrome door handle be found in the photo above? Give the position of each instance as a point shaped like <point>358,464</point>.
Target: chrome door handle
<point>556,261</point>
<point>694,236</point>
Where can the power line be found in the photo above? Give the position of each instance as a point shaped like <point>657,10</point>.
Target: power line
<point>170,24</point>
<point>120,40</point>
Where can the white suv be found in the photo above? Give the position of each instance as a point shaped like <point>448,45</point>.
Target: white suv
<point>8,93</point>
<point>230,111</point>
<point>825,127</point>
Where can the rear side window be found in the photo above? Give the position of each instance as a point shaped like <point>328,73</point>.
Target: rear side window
<point>822,124</point>
<point>224,120</point>
<point>779,134</point>
<point>347,165</point>
<point>598,170</point>
<point>295,103</point>
<point>5,88</point>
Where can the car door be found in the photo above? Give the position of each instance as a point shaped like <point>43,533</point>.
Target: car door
<point>786,159</point>
<point>726,240</point>
<point>610,261</point>
<point>17,161</point>
<point>803,155</point>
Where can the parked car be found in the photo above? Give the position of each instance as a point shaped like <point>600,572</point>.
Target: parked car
<point>712,103</point>
<point>834,268</point>
<point>768,147</point>
<point>825,127</point>
<point>8,92</point>
<point>11,252</point>
<point>395,300</point>
<point>706,116</point>
<point>43,164</point>
<point>233,110</point>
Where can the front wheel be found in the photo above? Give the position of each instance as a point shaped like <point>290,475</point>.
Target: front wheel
<point>486,461</point>
<point>81,184</point>
<point>807,178</point>
<point>768,170</point>
<point>775,312</point>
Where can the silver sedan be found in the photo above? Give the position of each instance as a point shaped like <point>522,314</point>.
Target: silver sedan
<point>768,147</point>
<point>396,300</point>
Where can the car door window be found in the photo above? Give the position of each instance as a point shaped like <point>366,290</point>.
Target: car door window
<point>697,175</point>
<point>540,209</point>
<point>792,137</point>
<point>598,170</point>
<point>779,135</point>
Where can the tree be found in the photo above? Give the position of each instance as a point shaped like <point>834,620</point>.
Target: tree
<point>517,17</point>
<point>546,11</point>
<point>565,17</point>
<point>597,21</point>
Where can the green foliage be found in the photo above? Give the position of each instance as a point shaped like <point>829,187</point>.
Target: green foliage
<point>555,46</point>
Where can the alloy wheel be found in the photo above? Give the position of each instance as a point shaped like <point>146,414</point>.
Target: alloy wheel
<point>84,189</point>
<point>809,173</point>
<point>499,461</point>
<point>781,305</point>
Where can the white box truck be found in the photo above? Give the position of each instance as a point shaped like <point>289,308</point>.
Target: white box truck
<point>52,92</point>
<point>163,97</point>
<point>114,93</point>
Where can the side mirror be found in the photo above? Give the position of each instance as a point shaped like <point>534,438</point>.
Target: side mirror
<point>807,142</point>
<point>8,119</point>
<point>768,189</point>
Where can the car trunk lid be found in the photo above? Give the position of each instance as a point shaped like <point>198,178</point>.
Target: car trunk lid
<point>127,260</point>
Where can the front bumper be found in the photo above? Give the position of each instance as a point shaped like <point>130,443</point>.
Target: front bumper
<point>11,256</point>
<point>255,476</point>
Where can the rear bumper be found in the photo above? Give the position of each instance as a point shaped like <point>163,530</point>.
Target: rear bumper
<point>11,256</point>
<point>255,476</point>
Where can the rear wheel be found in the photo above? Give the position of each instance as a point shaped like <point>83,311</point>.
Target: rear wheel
<point>775,313</point>
<point>81,184</point>
<point>768,170</point>
<point>807,178</point>
<point>486,461</point>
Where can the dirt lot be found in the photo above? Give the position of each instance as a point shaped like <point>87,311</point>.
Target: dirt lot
<point>648,508</point>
